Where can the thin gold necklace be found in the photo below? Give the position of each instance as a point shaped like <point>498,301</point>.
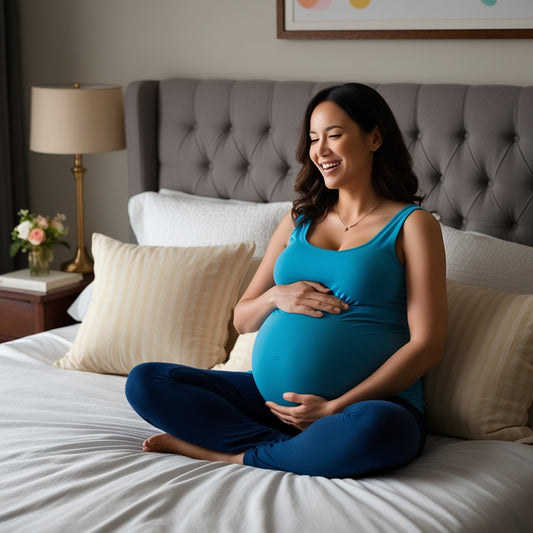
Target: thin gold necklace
<point>346,228</point>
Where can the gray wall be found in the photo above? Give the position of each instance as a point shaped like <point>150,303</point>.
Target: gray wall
<point>118,41</point>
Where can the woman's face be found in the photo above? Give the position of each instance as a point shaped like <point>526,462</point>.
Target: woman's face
<point>341,150</point>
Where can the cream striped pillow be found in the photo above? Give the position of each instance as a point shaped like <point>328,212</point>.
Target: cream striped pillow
<point>240,357</point>
<point>155,303</point>
<point>483,388</point>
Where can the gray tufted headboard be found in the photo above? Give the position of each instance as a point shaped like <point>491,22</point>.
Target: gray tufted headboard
<point>472,146</point>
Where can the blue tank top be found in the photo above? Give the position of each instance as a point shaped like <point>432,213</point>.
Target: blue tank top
<point>330,355</point>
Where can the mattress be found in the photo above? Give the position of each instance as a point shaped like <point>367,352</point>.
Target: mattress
<point>71,460</point>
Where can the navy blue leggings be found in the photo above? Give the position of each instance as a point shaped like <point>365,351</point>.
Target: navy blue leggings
<point>223,411</point>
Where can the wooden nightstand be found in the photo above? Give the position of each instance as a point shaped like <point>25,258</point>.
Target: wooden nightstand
<point>26,312</point>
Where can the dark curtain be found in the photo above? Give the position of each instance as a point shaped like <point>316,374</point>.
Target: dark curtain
<point>13,194</point>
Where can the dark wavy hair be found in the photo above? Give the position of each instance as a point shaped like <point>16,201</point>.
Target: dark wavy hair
<point>392,174</point>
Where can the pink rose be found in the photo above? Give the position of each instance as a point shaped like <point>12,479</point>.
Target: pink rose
<point>36,236</point>
<point>58,225</point>
<point>42,222</point>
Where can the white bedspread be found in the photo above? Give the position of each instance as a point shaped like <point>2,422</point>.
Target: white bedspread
<point>70,461</point>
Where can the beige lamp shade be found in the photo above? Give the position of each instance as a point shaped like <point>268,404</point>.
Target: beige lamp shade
<point>69,120</point>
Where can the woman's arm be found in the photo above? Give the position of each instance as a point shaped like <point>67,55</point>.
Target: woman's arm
<point>425,266</point>
<point>263,296</point>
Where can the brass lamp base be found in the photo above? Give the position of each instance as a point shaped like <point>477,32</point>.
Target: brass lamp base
<point>82,263</point>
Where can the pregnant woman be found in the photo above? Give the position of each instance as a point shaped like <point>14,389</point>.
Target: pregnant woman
<point>350,304</point>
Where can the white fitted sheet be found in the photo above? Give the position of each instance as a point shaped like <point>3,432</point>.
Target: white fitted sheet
<point>71,460</point>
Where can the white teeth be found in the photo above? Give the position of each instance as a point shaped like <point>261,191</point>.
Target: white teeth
<point>327,166</point>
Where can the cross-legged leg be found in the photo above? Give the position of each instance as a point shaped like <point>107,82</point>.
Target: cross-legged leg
<point>367,437</point>
<point>214,410</point>
<point>217,415</point>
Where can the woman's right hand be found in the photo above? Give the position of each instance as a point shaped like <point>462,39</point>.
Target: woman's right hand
<point>263,296</point>
<point>307,298</point>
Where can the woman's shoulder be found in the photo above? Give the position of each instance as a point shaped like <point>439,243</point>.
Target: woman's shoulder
<point>391,209</point>
<point>417,220</point>
<point>285,228</point>
<point>418,213</point>
<point>422,221</point>
<point>288,220</point>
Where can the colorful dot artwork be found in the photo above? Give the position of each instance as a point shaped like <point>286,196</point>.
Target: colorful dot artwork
<point>315,4</point>
<point>358,4</point>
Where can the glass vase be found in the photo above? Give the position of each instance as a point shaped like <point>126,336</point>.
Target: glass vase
<point>39,261</point>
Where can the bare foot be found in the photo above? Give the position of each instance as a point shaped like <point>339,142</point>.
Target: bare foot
<point>165,443</point>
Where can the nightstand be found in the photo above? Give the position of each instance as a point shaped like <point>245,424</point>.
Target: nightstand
<point>26,312</point>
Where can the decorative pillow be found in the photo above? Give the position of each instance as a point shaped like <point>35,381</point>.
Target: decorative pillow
<point>483,388</point>
<point>186,220</point>
<point>155,303</point>
<point>482,260</point>
<point>80,306</point>
<point>240,358</point>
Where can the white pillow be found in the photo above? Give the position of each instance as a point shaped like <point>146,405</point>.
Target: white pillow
<point>210,199</point>
<point>486,261</point>
<point>185,220</point>
<point>80,305</point>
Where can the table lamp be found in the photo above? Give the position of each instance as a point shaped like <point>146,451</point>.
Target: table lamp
<point>77,119</point>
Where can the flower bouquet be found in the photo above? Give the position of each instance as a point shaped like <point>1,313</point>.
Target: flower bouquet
<point>38,235</point>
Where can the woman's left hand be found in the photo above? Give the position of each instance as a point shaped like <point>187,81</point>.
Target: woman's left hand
<point>301,416</point>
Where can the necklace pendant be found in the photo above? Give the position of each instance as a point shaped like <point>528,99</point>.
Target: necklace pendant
<point>346,229</point>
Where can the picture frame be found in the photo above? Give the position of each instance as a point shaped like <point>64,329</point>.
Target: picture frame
<point>289,26</point>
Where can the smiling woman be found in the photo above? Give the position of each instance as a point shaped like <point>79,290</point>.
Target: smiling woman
<point>366,114</point>
<point>339,147</point>
<point>350,317</point>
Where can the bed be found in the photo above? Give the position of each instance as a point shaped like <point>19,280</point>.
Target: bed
<point>211,171</point>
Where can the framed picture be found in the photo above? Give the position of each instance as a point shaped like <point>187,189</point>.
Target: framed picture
<point>404,19</point>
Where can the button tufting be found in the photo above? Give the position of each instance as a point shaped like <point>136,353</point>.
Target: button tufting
<point>466,135</point>
<point>420,135</point>
<point>465,221</point>
<point>516,138</point>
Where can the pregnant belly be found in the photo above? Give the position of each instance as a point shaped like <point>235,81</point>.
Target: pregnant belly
<point>323,356</point>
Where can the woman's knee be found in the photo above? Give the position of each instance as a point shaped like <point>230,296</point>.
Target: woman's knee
<point>140,383</point>
<point>385,424</point>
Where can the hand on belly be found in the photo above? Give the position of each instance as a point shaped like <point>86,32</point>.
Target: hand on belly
<point>324,357</point>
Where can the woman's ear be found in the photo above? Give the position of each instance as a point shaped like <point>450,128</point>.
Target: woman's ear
<point>376,139</point>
